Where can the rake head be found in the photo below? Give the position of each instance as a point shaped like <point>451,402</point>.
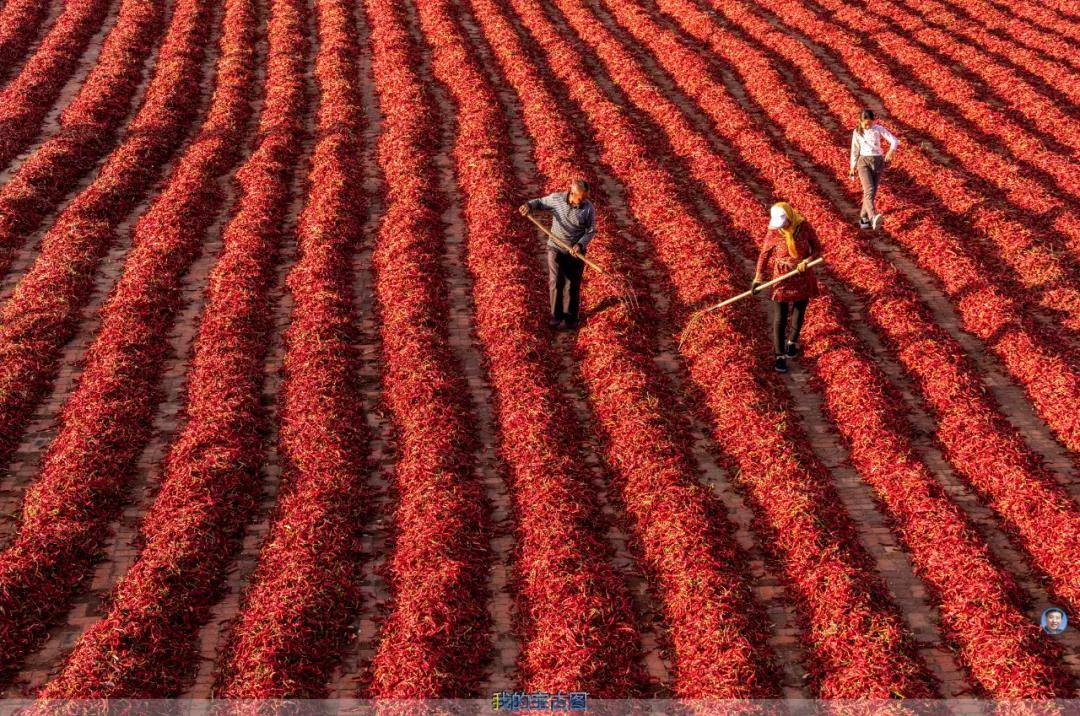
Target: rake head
<point>627,295</point>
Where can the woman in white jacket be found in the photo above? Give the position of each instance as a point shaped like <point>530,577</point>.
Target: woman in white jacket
<point>868,161</point>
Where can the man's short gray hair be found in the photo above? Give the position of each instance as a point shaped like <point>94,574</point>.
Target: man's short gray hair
<point>580,184</point>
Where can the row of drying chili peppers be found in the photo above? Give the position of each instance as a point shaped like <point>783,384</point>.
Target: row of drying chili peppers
<point>294,620</point>
<point>28,97</point>
<point>842,603</point>
<point>998,463</point>
<point>20,23</point>
<point>564,581</point>
<point>998,643</point>
<point>1007,60</point>
<point>877,75</point>
<point>963,105</point>
<point>1036,359</point>
<point>67,510</point>
<point>87,129</point>
<point>435,638</point>
<point>688,549</point>
<point>146,645</point>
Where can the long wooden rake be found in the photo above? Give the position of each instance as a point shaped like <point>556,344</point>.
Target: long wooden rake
<point>735,299</point>
<point>621,285</point>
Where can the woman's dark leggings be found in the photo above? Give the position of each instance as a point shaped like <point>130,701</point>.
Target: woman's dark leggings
<point>778,312</point>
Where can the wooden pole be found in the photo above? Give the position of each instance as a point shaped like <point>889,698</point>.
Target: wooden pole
<point>745,294</point>
<point>620,283</point>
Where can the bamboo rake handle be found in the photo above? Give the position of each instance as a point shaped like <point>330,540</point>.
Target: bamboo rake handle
<point>619,282</point>
<point>738,297</point>
<point>565,245</point>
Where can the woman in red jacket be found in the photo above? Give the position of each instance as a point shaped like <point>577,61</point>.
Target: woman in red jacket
<point>790,246</point>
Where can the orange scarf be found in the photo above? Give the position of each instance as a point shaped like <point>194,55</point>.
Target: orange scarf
<point>788,230</point>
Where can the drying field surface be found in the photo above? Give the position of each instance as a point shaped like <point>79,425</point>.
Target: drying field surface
<point>281,414</point>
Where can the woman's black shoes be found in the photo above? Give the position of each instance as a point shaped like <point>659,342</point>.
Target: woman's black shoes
<point>792,350</point>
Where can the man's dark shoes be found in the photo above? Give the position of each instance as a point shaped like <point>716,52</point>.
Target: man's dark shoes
<point>794,350</point>
<point>555,323</point>
<point>781,364</point>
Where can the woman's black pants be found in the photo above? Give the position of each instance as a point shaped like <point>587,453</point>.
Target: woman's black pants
<point>779,311</point>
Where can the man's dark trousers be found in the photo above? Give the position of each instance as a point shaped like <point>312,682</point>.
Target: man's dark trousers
<point>564,284</point>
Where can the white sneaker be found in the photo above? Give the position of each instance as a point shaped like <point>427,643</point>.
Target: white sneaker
<point>877,221</point>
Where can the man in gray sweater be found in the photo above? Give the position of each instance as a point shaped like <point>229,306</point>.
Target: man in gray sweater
<point>573,221</point>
